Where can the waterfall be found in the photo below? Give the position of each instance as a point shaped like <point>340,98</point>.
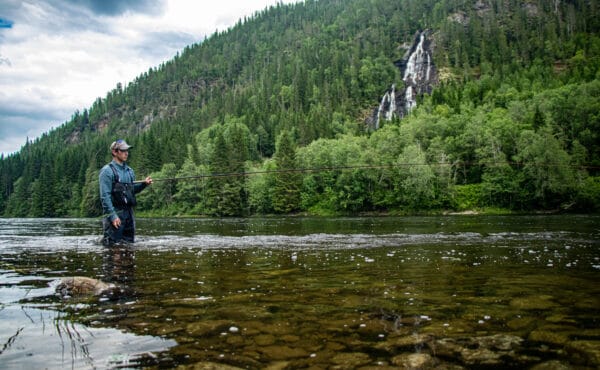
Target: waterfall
<point>412,75</point>
<point>418,74</point>
<point>387,107</point>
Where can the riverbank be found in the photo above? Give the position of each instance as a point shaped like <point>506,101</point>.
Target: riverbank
<point>391,213</point>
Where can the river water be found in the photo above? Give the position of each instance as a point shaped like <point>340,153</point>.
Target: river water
<point>446,292</point>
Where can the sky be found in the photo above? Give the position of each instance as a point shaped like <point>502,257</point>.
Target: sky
<point>59,56</point>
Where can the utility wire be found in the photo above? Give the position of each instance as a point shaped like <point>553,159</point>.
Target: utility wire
<point>359,167</point>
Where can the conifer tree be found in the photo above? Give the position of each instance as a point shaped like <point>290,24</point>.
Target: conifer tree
<point>286,188</point>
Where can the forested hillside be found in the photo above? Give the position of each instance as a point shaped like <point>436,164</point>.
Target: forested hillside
<point>284,96</point>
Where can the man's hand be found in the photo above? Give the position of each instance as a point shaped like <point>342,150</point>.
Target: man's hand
<point>116,223</point>
<point>148,180</point>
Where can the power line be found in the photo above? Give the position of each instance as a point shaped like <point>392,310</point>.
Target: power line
<point>360,167</point>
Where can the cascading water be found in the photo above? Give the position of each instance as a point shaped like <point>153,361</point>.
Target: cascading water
<point>418,75</point>
<point>387,107</point>
<point>413,72</point>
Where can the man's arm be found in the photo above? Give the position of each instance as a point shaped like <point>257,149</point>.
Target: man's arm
<point>106,180</point>
<point>141,185</point>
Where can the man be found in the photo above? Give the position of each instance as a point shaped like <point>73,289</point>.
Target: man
<point>117,194</point>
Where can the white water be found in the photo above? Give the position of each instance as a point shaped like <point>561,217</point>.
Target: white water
<point>388,99</point>
<point>413,72</point>
<point>418,70</point>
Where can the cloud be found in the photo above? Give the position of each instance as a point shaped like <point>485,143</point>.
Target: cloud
<point>117,7</point>
<point>58,56</point>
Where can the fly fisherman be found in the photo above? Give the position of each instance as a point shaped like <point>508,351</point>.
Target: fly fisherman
<point>117,194</point>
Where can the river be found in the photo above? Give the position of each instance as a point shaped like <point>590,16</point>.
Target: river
<point>448,292</point>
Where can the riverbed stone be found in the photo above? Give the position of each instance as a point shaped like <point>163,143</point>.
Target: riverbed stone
<point>207,327</point>
<point>207,366</point>
<point>235,340</point>
<point>406,342</point>
<point>350,360</point>
<point>521,323</point>
<point>278,352</point>
<point>334,346</point>
<point>561,319</point>
<point>186,312</point>
<point>337,326</point>
<point>551,365</point>
<point>277,365</point>
<point>249,312</point>
<point>590,303</point>
<point>586,351</point>
<point>83,285</point>
<point>413,360</point>
<point>533,302</point>
<point>264,339</point>
<point>289,338</point>
<point>479,351</point>
<point>278,329</point>
<point>168,329</point>
<point>547,336</point>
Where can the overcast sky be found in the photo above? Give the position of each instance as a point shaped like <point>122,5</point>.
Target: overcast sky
<point>58,56</point>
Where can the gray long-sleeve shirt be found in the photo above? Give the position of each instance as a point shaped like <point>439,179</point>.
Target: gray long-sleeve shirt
<point>126,174</point>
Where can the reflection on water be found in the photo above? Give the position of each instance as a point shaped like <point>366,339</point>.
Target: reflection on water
<point>418,292</point>
<point>36,338</point>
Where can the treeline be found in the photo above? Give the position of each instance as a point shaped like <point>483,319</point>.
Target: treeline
<point>486,156</point>
<point>514,123</point>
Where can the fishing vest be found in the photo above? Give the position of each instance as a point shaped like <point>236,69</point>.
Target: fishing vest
<point>122,193</point>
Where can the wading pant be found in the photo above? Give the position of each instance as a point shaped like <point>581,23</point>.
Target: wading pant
<point>124,233</point>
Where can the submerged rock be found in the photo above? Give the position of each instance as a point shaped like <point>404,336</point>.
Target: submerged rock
<point>585,351</point>
<point>408,342</point>
<point>551,365</point>
<point>533,302</point>
<point>82,286</point>
<point>282,352</point>
<point>207,327</point>
<point>351,360</point>
<point>547,336</point>
<point>414,360</point>
<point>208,366</point>
<point>491,350</point>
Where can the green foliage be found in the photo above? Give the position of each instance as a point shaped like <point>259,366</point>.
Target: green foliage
<point>286,182</point>
<point>260,188</point>
<point>513,123</point>
<point>588,197</point>
<point>547,176</point>
<point>468,197</point>
<point>189,196</point>
<point>415,181</point>
<point>161,194</point>
<point>90,202</point>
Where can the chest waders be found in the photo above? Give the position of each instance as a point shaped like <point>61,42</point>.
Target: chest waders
<point>123,198</point>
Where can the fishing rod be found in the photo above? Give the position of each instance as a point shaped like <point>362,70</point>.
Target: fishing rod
<point>335,168</point>
<point>250,173</point>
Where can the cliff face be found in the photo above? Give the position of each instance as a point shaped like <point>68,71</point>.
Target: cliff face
<point>419,76</point>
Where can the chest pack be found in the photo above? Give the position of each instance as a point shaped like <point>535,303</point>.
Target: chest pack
<point>122,193</point>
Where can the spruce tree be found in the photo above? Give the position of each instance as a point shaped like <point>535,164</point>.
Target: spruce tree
<point>216,191</point>
<point>286,188</point>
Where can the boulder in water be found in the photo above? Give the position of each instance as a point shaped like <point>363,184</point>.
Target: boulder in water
<point>81,285</point>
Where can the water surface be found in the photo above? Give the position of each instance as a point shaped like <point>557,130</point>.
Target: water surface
<point>408,292</point>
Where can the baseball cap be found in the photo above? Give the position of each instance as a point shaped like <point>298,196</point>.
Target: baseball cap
<point>120,145</point>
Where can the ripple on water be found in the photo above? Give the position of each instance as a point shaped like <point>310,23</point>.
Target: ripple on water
<point>338,241</point>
